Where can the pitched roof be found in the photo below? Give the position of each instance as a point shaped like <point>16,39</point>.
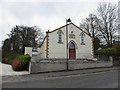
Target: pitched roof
<point>68,25</point>
<point>63,27</point>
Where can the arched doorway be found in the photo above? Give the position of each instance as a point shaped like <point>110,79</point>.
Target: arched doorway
<point>72,50</point>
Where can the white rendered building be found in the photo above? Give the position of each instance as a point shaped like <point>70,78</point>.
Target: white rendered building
<point>54,45</point>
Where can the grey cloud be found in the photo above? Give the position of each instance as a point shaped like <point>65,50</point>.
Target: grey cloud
<point>25,10</point>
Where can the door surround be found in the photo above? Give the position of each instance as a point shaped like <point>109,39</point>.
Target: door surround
<point>72,50</point>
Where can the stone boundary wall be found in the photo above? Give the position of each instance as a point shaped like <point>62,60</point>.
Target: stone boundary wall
<point>37,66</point>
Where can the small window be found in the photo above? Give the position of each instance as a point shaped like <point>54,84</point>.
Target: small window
<point>60,36</point>
<point>82,38</point>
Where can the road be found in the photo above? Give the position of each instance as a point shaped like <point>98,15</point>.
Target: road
<point>107,79</point>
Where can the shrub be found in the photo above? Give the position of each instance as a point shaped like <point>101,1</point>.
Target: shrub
<point>117,46</point>
<point>25,60</point>
<point>107,51</point>
<point>4,60</point>
<point>17,65</point>
<point>10,57</point>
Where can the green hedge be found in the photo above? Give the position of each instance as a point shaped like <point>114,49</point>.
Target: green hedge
<point>107,52</point>
<point>113,51</point>
<point>12,58</point>
<point>117,46</point>
<point>24,59</point>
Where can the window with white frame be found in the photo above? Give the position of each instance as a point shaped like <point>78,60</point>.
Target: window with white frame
<point>82,38</point>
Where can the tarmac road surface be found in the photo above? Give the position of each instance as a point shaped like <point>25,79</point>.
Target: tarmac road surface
<point>106,79</point>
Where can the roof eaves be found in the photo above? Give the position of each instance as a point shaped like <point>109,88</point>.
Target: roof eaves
<point>43,41</point>
<point>82,30</point>
<point>60,28</point>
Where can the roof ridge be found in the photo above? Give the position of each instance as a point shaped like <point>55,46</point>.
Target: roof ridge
<point>67,25</point>
<point>60,27</point>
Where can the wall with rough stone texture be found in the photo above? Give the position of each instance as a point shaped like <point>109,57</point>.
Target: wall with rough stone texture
<point>37,66</point>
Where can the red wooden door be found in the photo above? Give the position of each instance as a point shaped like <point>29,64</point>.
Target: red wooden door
<point>72,53</point>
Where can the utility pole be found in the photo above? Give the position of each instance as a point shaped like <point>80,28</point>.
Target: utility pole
<point>67,20</point>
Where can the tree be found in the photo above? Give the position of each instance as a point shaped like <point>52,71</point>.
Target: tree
<point>24,36</point>
<point>106,21</point>
<point>96,43</point>
<point>103,24</point>
<point>89,25</point>
<point>40,35</point>
<point>6,47</point>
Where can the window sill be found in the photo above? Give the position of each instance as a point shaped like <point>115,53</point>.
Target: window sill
<point>82,43</point>
<point>60,42</point>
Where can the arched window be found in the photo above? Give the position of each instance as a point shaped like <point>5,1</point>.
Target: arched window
<point>60,36</point>
<point>82,38</point>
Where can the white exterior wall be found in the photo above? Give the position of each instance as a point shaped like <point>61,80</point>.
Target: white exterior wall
<point>82,51</point>
<point>42,50</point>
<point>57,50</point>
<point>28,50</point>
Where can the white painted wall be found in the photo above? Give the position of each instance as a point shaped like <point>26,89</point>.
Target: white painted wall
<point>83,51</point>
<point>42,50</point>
<point>57,50</point>
<point>28,50</point>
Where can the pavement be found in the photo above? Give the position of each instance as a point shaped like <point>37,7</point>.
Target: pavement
<point>6,70</point>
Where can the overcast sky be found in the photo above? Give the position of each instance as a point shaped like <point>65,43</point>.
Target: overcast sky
<point>46,14</point>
